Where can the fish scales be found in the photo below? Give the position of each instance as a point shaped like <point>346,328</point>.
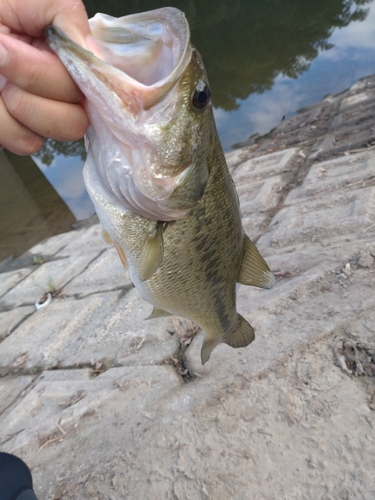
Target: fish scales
<point>157,174</point>
<point>199,277</point>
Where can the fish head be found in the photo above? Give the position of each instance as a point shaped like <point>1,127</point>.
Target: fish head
<point>149,105</point>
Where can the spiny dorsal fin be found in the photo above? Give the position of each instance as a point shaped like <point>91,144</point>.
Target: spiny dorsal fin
<point>152,253</point>
<point>254,270</point>
<point>242,336</point>
<point>158,313</point>
<point>121,254</point>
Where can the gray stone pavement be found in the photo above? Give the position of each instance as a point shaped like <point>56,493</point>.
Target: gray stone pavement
<point>104,405</point>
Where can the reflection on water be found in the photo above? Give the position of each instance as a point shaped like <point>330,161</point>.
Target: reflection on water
<point>264,58</point>
<point>30,209</point>
<point>64,172</point>
<point>51,148</point>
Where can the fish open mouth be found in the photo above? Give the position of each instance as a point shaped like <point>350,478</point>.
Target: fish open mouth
<point>149,51</point>
<point>141,55</point>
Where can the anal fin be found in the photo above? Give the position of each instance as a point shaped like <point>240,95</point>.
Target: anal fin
<point>158,313</point>
<point>254,270</point>
<point>207,347</point>
<point>152,253</point>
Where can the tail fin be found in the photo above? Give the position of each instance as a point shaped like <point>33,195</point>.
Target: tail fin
<point>242,336</point>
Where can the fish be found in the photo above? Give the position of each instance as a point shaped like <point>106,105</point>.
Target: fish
<point>156,172</point>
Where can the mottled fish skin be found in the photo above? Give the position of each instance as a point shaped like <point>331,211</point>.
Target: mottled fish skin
<point>189,266</point>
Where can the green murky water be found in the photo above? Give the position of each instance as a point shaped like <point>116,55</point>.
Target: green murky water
<point>265,59</point>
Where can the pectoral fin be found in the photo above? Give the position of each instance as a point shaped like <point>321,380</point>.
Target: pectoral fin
<point>106,237</point>
<point>152,253</point>
<point>254,270</point>
<point>121,254</point>
<point>158,313</point>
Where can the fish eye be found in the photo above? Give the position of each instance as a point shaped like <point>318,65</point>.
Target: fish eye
<point>201,97</point>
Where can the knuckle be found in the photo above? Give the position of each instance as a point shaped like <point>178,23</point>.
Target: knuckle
<point>15,101</point>
<point>16,137</point>
<point>79,128</point>
<point>29,144</point>
<point>78,125</point>
<point>32,80</point>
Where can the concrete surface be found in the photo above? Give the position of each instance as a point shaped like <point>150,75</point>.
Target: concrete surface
<point>104,405</point>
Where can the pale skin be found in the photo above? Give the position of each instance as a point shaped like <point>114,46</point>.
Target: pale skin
<point>38,98</point>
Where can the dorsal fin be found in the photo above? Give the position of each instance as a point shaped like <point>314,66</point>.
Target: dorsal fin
<point>254,269</point>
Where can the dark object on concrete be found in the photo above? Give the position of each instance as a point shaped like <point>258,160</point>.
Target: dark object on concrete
<point>16,482</point>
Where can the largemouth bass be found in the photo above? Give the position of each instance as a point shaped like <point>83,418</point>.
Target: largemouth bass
<point>156,172</point>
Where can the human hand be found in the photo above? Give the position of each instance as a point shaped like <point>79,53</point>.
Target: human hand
<point>38,98</point>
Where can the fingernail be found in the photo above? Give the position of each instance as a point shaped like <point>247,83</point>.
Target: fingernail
<point>3,55</point>
<point>3,81</point>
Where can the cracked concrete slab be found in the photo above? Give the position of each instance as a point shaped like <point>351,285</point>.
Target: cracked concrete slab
<point>82,239</point>
<point>12,389</point>
<point>102,274</point>
<point>10,320</point>
<point>11,279</point>
<point>67,397</point>
<point>346,172</point>
<point>49,277</point>
<point>328,217</point>
<point>104,328</point>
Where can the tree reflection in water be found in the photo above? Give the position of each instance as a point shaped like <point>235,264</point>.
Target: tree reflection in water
<point>51,148</point>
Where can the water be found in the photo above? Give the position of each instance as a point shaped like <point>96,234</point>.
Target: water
<point>265,60</point>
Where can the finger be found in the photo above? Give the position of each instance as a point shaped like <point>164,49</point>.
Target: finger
<point>48,118</point>
<point>36,71</point>
<point>32,17</point>
<point>15,136</point>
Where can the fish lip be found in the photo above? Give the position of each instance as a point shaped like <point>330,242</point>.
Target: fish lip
<point>147,95</point>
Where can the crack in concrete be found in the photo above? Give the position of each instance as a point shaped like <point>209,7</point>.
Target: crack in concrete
<point>16,325</point>
<point>122,289</point>
<point>5,308</point>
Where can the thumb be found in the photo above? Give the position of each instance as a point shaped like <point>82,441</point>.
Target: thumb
<point>33,16</point>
